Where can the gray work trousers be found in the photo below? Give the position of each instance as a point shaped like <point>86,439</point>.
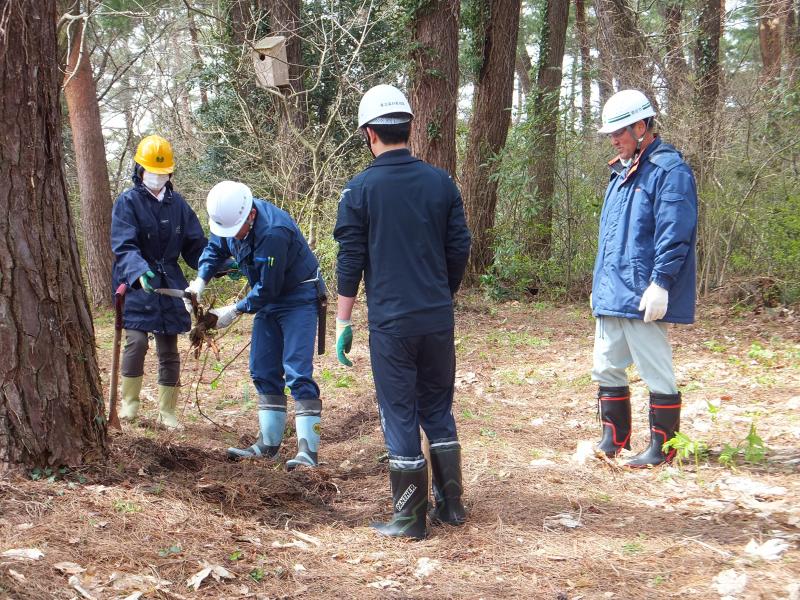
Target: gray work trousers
<point>618,342</point>
<point>169,361</point>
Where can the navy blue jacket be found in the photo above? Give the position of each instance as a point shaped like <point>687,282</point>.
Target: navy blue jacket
<point>274,257</point>
<point>401,226</point>
<point>648,230</point>
<point>148,235</point>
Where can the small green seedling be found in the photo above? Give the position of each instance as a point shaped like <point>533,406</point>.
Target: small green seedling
<point>686,448</point>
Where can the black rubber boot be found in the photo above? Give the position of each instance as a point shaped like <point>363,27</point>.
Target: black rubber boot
<point>614,409</point>
<point>447,488</point>
<point>410,500</point>
<point>665,419</point>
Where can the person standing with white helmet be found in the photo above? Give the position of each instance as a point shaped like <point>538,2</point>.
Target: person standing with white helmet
<point>644,275</point>
<point>151,227</point>
<point>401,227</point>
<point>287,291</point>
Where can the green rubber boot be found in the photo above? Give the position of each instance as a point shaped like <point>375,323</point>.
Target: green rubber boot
<point>167,399</point>
<point>131,386</point>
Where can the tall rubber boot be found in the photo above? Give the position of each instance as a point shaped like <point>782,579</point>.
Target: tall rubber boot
<point>307,421</point>
<point>614,408</point>
<point>131,388</point>
<point>665,419</point>
<point>167,400</point>
<point>271,424</point>
<point>447,488</point>
<point>410,502</point>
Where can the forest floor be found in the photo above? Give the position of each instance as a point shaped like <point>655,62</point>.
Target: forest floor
<point>546,519</point>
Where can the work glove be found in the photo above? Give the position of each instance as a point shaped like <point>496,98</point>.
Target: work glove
<point>344,340</point>
<point>654,303</point>
<point>591,306</point>
<point>145,280</point>
<point>225,315</point>
<point>196,287</point>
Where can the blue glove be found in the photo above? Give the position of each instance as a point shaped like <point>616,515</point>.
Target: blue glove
<point>145,280</point>
<point>344,340</point>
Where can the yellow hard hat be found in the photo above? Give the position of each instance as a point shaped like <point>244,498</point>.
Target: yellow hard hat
<point>155,155</point>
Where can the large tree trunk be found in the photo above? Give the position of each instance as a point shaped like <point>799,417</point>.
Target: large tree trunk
<point>605,75</point>
<point>545,115</point>
<point>488,127</point>
<point>632,64</point>
<point>707,84</point>
<point>586,65</point>
<point>434,83</point>
<point>770,38</point>
<point>792,42</point>
<point>677,71</point>
<point>523,67</point>
<point>90,160</point>
<point>198,59</point>
<point>51,401</point>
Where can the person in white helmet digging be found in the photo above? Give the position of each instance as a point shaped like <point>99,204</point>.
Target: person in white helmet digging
<point>644,275</point>
<point>286,292</point>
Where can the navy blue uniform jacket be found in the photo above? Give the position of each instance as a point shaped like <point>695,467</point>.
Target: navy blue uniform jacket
<point>274,257</point>
<point>401,226</point>
<point>148,235</point>
<point>648,231</point>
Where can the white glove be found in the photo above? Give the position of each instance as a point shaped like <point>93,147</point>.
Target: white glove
<point>591,307</point>
<point>225,315</point>
<point>654,303</point>
<point>196,287</point>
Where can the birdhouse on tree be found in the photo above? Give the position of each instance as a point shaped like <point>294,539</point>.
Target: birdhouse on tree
<point>269,60</point>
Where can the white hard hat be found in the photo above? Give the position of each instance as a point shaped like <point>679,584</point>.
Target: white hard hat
<point>383,100</point>
<point>228,205</point>
<point>625,108</point>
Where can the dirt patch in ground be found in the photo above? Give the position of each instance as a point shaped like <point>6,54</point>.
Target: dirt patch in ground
<point>544,520</point>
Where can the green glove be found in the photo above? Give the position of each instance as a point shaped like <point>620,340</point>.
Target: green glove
<point>344,340</point>
<point>145,281</point>
<point>233,271</point>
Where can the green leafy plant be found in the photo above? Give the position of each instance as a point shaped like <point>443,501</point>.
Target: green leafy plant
<point>235,555</point>
<point>713,410</point>
<point>686,448</point>
<point>257,574</point>
<point>174,549</point>
<point>752,448</point>
<point>124,506</point>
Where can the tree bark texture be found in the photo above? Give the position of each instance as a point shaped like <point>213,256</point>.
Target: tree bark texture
<point>676,69</point>
<point>545,116</point>
<point>241,19</point>
<point>792,42</point>
<point>605,74</point>
<point>488,127</point>
<point>619,32</point>
<point>433,91</point>
<point>523,66</point>
<point>707,83</point>
<point>586,65</point>
<point>770,39</point>
<point>198,59</point>
<point>51,401</point>
<point>90,162</point>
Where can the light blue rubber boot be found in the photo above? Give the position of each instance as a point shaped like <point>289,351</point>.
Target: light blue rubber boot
<point>307,420</point>
<point>271,424</point>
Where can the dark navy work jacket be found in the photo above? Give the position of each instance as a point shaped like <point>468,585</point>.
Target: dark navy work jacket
<point>401,226</point>
<point>148,235</point>
<point>274,257</point>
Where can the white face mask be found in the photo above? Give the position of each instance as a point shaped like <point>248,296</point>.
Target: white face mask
<point>154,181</point>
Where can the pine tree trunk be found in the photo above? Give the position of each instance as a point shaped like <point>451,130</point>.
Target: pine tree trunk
<point>677,71</point>
<point>433,92</point>
<point>707,84</point>
<point>488,127</point>
<point>51,401</point>
<point>90,160</point>
<point>545,115</point>
<point>605,76</point>
<point>198,59</point>
<point>586,65</point>
<point>770,38</point>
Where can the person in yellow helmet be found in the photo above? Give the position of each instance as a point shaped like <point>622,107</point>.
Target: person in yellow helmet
<point>151,227</point>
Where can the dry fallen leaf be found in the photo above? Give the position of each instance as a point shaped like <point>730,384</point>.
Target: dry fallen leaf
<point>218,572</point>
<point>426,566</point>
<point>69,568</point>
<point>382,584</point>
<point>23,554</point>
<point>769,550</point>
<point>77,585</point>
<point>16,575</point>
<point>729,583</point>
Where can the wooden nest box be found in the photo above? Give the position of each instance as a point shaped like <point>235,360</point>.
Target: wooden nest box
<point>269,60</point>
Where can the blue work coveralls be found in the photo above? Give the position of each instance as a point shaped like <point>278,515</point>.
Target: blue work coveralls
<point>285,283</point>
<point>150,235</point>
<point>401,227</point>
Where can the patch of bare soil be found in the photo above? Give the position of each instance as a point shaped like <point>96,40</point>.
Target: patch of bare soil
<point>546,519</point>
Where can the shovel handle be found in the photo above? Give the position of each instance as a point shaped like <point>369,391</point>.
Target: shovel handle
<point>119,302</point>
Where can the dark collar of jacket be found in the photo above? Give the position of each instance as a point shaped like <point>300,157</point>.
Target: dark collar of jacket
<point>618,168</point>
<point>394,157</point>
